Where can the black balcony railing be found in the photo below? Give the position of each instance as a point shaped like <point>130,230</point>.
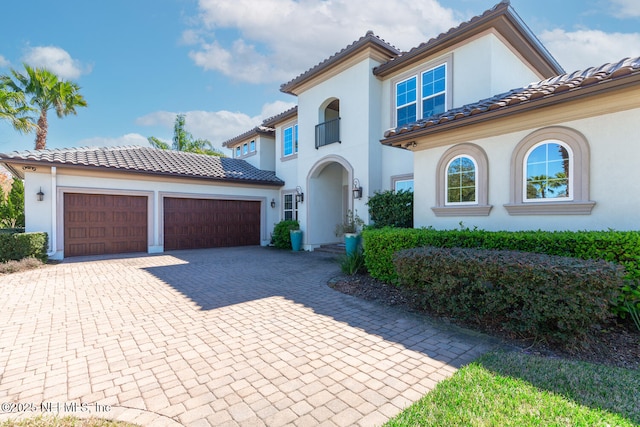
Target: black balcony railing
<point>328,133</point>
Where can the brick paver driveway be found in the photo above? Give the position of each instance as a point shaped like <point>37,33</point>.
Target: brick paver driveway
<point>241,336</point>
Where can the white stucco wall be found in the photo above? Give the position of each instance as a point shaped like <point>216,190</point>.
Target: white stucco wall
<point>614,180</point>
<point>40,215</point>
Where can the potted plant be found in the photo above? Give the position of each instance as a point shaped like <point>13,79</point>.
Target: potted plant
<point>350,229</point>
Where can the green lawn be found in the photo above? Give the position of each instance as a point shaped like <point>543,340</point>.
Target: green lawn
<point>43,421</point>
<point>514,389</point>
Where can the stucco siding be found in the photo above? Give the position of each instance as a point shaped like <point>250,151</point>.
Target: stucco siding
<point>614,180</point>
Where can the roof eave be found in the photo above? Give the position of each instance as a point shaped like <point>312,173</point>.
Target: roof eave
<point>502,17</point>
<point>407,139</point>
<point>369,41</point>
<point>9,165</point>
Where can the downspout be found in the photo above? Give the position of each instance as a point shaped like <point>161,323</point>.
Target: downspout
<point>54,207</point>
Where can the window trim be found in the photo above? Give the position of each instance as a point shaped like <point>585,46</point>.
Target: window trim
<point>446,181</point>
<point>294,142</point>
<point>401,178</point>
<point>447,61</point>
<point>580,203</point>
<point>481,207</point>
<point>408,104</point>
<point>252,146</point>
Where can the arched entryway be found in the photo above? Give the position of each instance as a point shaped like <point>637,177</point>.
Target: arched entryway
<point>329,199</point>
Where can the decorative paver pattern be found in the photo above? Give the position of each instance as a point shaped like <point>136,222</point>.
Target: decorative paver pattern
<point>222,337</point>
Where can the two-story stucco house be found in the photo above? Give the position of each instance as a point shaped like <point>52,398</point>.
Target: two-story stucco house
<point>480,122</point>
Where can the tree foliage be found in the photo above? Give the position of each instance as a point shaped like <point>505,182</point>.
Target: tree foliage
<point>12,206</point>
<point>45,91</point>
<point>184,141</point>
<point>14,109</point>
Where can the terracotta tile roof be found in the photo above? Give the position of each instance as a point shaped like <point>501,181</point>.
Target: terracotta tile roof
<point>258,130</point>
<point>147,160</point>
<point>285,115</point>
<point>502,17</point>
<point>368,38</point>
<point>549,90</point>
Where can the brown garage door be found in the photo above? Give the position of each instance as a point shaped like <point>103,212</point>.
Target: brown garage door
<point>206,223</point>
<point>96,224</point>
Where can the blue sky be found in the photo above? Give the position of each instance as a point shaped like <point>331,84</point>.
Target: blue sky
<point>221,62</point>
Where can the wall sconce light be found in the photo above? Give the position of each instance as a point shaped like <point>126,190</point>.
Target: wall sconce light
<point>299,195</point>
<point>357,189</point>
<point>273,203</point>
<point>40,195</point>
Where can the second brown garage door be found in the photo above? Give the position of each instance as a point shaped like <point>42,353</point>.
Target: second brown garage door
<point>96,224</point>
<point>209,223</point>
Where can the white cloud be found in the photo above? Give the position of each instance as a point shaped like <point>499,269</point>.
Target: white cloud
<point>4,62</point>
<point>56,60</point>
<point>125,140</point>
<point>275,40</point>
<point>216,126</point>
<point>626,8</point>
<point>582,49</point>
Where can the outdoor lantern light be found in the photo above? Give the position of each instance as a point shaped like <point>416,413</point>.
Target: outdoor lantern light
<point>299,195</point>
<point>357,189</point>
<point>40,195</point>
<point>273,203</point>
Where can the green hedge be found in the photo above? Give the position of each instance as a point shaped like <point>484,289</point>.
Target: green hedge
<point>17,246</point>
<point>622,247</point>
<point>534,295</point>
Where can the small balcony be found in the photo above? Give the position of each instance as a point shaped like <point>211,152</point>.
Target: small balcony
<point>328,133</point>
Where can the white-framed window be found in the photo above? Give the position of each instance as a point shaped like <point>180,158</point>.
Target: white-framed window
<point>290,140</point>
<point>406,101</point>
<point>245,148</point>
<point>550,174</point>
<point>461,183</point>
<point>403,185</point>
<point>252,146</point>
<point>548,168</point>
<point>429,86</point>
<point>238,154</point>
<point>289,207</point>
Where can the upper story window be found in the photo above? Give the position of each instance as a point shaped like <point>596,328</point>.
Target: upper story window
<point>434,87</point>
<point>238,154</point>
<point>548,172</point>
<point>461,180</point>
<point>290,140</point>
<point>252,146</point>
<point>245,148</point>
<point>422,92</point>
<point>406,101</point>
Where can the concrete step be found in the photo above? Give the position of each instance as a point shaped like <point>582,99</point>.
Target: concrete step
<point>336,248</point>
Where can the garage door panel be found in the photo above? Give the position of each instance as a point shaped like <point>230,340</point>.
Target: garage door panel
<point>96,224</point>
<point>207,223</point>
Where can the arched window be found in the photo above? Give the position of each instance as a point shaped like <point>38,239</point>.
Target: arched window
<point>550,174</point>
<point>462,185</point>
<point>462,181</point>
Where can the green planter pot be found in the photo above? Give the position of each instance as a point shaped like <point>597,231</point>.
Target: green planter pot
<point>352,243</point>
<point>296,239</point>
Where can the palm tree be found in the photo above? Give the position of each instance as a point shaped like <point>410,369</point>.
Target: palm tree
<point>14,109</point>
<point>183,141</point>
<point>46,91</point>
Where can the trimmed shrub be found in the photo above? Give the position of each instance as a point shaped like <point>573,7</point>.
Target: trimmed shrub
<point>17,246</point>
<point>534,295</point>
<point>622,247</point>
<point>391,209</point>
<point>281,237</point>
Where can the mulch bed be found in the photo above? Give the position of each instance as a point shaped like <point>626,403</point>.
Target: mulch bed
<point>615,344</point>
